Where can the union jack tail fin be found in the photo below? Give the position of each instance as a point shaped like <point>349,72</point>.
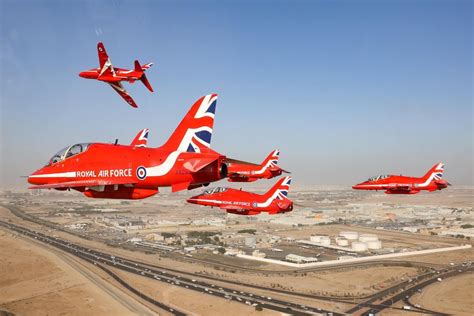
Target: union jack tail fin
<point>280,189</point>
<point>436,172</point>
<point>143,78</point>
<point>272,159</point>
<point>141,139</point>
<point>194,132</point>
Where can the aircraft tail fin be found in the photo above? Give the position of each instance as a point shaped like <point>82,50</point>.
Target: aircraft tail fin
<point>105,64</point>
<point>194,132</point>
<point>141,140</point>
<point>143,78</point>
<point>280,189</point>
<point>436,172</point>
<point>272,159</point>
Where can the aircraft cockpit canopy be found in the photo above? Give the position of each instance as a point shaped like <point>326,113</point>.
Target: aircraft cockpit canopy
<point>380,177</point>
<point>214,190</point>
<point>68,152</point>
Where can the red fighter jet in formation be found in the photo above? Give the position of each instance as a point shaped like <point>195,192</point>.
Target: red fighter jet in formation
<point>245,203</point>
<point>393,184</point>
<point>135,171</point>
<point>113,76</point>
<point>240,171</point>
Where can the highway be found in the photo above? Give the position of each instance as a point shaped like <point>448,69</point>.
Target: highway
<point>407,289</point>
<point>105,260</point>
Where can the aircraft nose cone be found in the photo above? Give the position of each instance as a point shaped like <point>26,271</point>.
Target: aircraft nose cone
<point>32,179</point>
<point>357,187</point>
<point>82,74</point>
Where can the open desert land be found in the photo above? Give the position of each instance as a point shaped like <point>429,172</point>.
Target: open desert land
<point>34,280</point>
<point>452,296</point>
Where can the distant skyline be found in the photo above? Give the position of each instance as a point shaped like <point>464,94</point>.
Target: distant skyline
<point>345,89</point>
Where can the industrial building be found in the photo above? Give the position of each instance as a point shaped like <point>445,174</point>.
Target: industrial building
<point>300,259</point>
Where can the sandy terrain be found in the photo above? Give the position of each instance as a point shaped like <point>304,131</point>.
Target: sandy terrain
<point>453,296</point>
<point>35,281</point>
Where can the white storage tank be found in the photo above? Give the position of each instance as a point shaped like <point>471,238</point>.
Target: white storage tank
<point>349,235</point>
<point>342,242</point>
<point>374,244</point>
<point>325,241</point>
<point>368,237</point>
<point>359,246</point>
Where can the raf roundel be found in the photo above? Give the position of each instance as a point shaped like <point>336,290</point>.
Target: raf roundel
<point>141,173</point>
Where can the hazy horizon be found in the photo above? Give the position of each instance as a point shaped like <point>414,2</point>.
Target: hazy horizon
<point>346,90</point>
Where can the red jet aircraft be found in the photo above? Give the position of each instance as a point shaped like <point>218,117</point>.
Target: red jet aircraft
<point>114,171</point>
<point>240,171</point>
<point>245,203</point>
<point>113,76</point>
<point>393,184</point>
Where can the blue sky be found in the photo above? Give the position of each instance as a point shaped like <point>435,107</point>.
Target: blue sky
<point>345,89</point>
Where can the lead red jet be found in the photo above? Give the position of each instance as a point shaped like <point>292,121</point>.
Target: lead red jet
<point>393,184</point>
<point>113,76</point>
<point>240,202</point>
<point>134,171</point>
<point>241,171</point>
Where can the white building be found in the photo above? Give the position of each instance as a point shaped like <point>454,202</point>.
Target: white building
<point>300,259</point>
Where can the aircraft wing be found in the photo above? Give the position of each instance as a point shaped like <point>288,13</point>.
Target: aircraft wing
<point>106,67</point>
<point>103,57</point>
<point>81,183</point>
<point>123,93</point>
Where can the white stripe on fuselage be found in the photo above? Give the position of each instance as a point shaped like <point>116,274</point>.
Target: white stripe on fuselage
<point>55,175</point>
